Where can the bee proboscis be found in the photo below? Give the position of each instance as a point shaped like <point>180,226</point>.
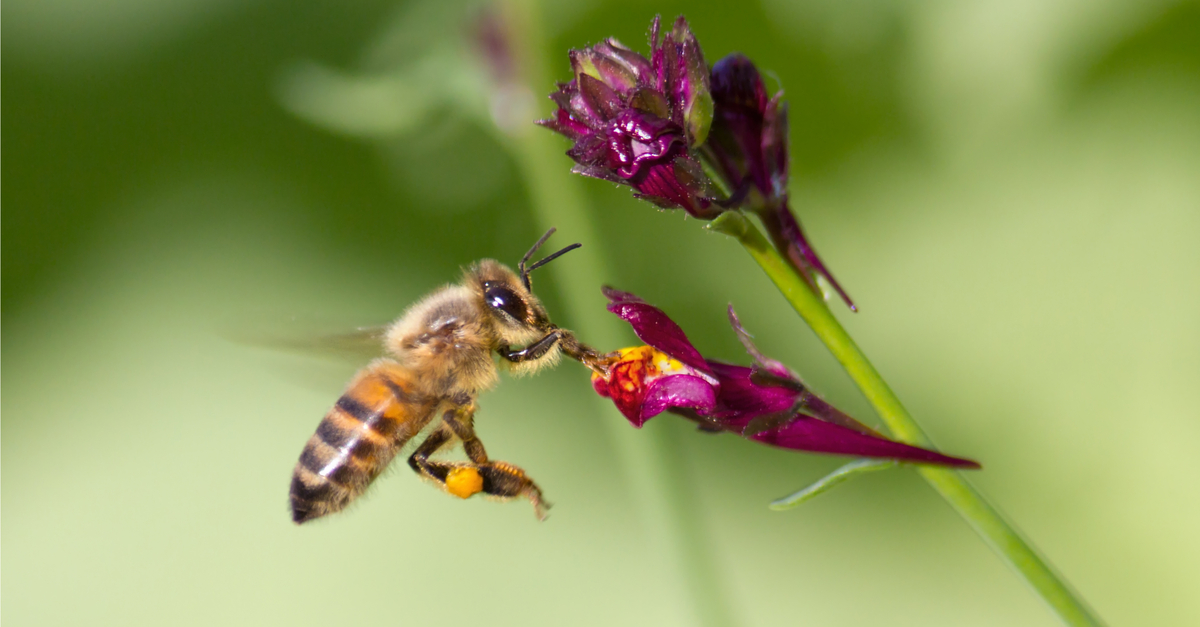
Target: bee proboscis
<point>439,360</point>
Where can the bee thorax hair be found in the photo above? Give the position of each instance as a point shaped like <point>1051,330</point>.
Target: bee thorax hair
<point>448,340</point>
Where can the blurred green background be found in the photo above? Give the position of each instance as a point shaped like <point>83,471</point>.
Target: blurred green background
<point>1010,190</point>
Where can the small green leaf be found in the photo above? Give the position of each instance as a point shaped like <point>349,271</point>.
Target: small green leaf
<point>730,223</point>
<point>828,482</point>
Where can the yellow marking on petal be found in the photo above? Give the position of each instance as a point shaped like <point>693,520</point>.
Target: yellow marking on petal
<point>666,363</point>
<point>464,481</point>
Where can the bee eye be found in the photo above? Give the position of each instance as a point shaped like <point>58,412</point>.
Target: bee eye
<point>502,298</point>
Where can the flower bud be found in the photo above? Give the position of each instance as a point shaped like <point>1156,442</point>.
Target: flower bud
<point>635,120</point>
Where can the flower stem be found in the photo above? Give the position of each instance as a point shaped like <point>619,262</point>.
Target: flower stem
<point>1002,536</point>
<point>652,459</point>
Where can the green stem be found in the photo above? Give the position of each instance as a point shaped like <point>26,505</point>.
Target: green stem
<point>651,458</point>
<point>954,488</point>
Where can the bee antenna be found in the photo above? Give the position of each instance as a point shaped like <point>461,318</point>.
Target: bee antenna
<point>543,261</point>
<point>529,255</point>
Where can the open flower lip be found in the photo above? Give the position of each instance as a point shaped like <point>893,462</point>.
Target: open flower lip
<point>765,402</point>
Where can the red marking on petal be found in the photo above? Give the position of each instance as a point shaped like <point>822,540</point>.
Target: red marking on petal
<point>626,386</point>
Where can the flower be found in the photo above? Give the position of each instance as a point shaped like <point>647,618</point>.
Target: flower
<point>635,120</point>
<point>765,402</point>
<point>748,146</point>
<point>661,125</point>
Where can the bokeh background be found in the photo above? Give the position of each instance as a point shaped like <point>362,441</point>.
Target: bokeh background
<point>1011,191</point>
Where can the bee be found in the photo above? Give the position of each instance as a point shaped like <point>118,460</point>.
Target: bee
<point>439,359</point>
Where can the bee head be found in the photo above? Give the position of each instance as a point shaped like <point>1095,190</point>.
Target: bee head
<point>518,316</point>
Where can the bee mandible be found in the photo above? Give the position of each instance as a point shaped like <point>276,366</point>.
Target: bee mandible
<point>439,359</point>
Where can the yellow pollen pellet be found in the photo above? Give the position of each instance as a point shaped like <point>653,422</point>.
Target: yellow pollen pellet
<point>464,481</point>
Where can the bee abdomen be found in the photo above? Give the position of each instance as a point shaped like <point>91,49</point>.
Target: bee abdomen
<point>355,441</point>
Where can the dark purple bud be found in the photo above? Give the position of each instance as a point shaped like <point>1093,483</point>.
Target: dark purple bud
<point>736,139</point>
<point>748,146</point>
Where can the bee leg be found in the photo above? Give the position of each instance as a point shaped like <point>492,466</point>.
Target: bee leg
<point>534,351</point>
<point>465,479</point>
<point>504,480</point>
<point>499,479</point>
<point>588,356</point>
<point>419,460</point>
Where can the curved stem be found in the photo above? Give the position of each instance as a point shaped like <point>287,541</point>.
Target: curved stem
<point>999,534</point>
<point>652,460</point>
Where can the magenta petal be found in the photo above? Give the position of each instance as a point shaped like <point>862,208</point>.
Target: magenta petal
<point>681,390</point>
<point>654,327</point>
<point>740,400</point>
<point>818,436</point>
<point>801,252</point>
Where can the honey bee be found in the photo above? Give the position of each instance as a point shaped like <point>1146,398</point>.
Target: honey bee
<point>439,360</point>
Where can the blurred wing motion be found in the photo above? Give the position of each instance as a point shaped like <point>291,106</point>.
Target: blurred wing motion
<point>314,340</point>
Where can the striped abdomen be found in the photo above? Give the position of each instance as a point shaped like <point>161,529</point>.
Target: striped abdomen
<point>357,439</point>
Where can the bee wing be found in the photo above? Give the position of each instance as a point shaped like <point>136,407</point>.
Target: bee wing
<point>355,346</point>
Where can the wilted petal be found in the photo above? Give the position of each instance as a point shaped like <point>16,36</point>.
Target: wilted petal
<point>691,84</point>
<point>656,55</point>
<point>639,65</point>
<point>650,101</point>
<point>597,63</point>
<point>563,123</point>
<point>570,101</point>
<point>590,150</point>
<point>598,173</point>
<point>653,327</point>
<point>747,341</point>
<point>600,99</point>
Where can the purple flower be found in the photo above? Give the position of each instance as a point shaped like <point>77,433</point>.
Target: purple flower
<point>748,146</point>
<point>652,123</point>
<point>635,120</point>
<point>765,402</point>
